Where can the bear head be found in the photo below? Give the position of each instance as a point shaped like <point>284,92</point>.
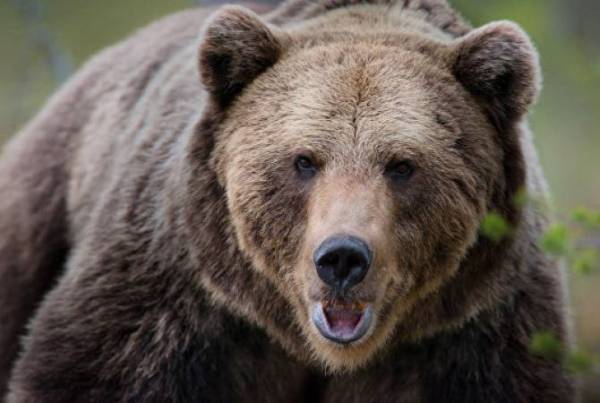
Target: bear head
<point>358,156</point>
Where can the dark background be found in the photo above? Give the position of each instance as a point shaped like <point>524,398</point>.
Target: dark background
<point>43,41</point>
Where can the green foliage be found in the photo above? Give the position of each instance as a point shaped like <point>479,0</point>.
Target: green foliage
<point>495,227</point>
<point>560,239</point>
<point>578,361</point>
<point>587,218</point>
<point>521,198</point>
<point>546,344</point>
<point>556,240</point>
<point>586,261</point>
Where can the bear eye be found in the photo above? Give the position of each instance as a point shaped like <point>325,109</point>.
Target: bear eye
<point>399,171</point>
<point>305,167</point>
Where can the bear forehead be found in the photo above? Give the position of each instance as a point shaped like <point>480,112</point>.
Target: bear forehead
<point>358,93</point>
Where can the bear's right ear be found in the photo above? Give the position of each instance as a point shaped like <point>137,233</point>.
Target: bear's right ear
<point>236,47</point>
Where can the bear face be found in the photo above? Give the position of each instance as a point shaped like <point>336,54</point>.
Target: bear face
<point>358,165</point>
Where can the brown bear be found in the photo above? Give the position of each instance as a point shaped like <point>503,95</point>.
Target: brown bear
<point>299,221</point>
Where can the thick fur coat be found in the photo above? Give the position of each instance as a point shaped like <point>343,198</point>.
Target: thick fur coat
<point>154,237</point>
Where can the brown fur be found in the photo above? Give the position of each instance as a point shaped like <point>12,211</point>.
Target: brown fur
<point>187,238</point>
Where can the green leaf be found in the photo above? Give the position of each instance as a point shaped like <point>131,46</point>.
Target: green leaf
<point>521,198</point>
<point>579,361</point>
<point>556,240</point>
<point>586,261</point>
<point>580,215</point>
<point>546,344</point>
<point>495,227</point>
<point>586,217</point>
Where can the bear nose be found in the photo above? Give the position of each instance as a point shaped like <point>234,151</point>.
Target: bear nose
<point>342,261</point>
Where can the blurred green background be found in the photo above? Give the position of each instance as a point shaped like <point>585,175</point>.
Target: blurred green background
<point>44,41</point>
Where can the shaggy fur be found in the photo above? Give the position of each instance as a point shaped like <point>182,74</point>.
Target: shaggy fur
<point>157,242</point>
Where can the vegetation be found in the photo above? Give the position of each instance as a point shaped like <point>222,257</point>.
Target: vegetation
<point>568,241</point>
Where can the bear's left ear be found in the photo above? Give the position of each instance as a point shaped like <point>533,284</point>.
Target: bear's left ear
<point>499,65</point>
<point>236,47</point>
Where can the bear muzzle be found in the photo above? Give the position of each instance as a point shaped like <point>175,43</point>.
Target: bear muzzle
<point>342,262</point>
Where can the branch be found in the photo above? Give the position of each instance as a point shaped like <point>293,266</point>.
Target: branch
<point>57,58</point>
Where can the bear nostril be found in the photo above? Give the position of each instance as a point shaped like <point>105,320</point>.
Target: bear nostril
<point>330,260</point>
<point>342,261</point>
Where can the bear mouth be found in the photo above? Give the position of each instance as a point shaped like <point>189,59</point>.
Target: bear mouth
<point>342,322</point>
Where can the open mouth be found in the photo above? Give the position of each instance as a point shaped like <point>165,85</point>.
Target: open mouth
<point>342,322</point>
